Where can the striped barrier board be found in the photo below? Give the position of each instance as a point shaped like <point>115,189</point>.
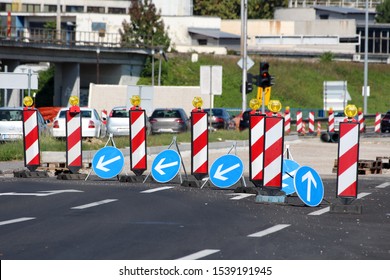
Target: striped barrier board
<point>199,144</point>
<point>378,123</point>
<point>256,138</point>
<point>32,157</point>
<point>361,121</point>
<point>299,122</point>
<point>273,152</point>
<point>137,120</point>
<point>287,122</point>
<point>73,139</point>
<point>331,121</point>
<point>348,157</point>
<point>311,122</point>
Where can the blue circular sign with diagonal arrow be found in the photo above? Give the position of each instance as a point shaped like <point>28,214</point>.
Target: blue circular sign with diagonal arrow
<point>165,166</point>
<point>226,171</point>
<point>108,162</point>
<point>290,167</point>
<point>309,186</point>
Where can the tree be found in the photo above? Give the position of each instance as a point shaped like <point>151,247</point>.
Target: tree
<point>146,28</point>
<point>383,12</point>
<point>231,9</point>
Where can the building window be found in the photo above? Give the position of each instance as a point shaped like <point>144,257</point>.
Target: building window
<point>117,10</point>
<point>202,42</point>
<point>98,10</point>
<point>50,8</point>
<point>31,8</point>
<point>74,9</point>
<point>324,16</point>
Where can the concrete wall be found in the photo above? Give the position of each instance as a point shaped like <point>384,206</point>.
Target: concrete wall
<point>295,14</point>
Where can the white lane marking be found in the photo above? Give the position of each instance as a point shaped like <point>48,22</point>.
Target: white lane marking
<point>382,186</point>
<point>269,230</point>
<point>238,196</point>
<point>326,209</point>
<point>16,220</point>
<point>199,255</point>
<point>157,189</point>
<point>93,204</point>
<point>40,193</point>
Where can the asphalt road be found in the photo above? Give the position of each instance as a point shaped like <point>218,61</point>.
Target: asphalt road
<point>51,219</point>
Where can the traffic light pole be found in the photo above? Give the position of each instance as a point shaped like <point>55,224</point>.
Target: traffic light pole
<point>263,101</point>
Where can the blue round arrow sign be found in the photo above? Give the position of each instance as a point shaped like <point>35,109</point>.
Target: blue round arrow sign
<point>290,167</point>
<point>165,166</point>
<point>309,186</point>
<point>226,171</point>
<point>108,162</point>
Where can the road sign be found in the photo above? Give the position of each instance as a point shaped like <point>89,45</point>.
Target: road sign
<point>249,63</point>
<point>226,171</point>
<point>290,168</point>
<point>211,80</point>
<point>108,162</point>
<point>165,166</point>
<point>309,186</point>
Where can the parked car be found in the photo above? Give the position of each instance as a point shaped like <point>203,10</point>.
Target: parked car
<point>220,118</point>
<point>118,122</point>
<point>169,120</point>
<point>11,125</point>
<point>244,119</point>
<point>385,122</point>
<point>91,124</point>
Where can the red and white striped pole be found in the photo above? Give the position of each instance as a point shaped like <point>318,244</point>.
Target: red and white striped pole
<point>330,120</point>
<point>256,152</point>
<point>348,156</point>
<point>199,144</point>
<point>273,152</point>
<point>73,136</point>
<point>318,128</point>
<point>32,156</point>
<point>311,122</point>
<point>287,120</point>
<point>378,123</point>
<point>299,121</point>
<point>137,123</point>
<point>361,119</point>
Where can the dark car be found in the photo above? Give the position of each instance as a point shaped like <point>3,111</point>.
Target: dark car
<point>220,118</point>
<point>169,120</point>
<point>385,122</point>
<point>244,119</point>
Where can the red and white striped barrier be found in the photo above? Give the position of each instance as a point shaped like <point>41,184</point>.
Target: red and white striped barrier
<point>318,128</point>
<point>199,144</point>
<point>331,121</point>
<point>73,139</point>
<point>311,122</point>
<point>273,152</point>
<point>378,123</point>
<point>348,156</point>
<point>138,160</point>
<point>361,121</point>
<point>287,121</point>
<point>32,157</point>
<point>299,121</point>
<point>104,116</point>
<point>256,152</point>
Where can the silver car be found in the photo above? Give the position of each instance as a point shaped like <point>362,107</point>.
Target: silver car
<point>169,120</point>
<point>118,122</point>
<point>11,124</point>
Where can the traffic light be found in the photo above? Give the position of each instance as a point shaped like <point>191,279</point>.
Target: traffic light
<point>265,77</point>
<point>248,87</point>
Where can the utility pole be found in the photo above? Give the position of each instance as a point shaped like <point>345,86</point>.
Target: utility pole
<point>244,55</point>
<point>365,61</point>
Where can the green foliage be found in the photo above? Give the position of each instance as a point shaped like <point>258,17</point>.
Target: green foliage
<point>383,12</point>
<point>326,57</point>
<point>45,93</point>
<point>260,9</point>
<point>146,28</point>
<point>298,82</point>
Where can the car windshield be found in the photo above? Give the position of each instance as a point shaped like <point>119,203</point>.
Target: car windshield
<point>120,113</point>
<point>84,114</point>
<point>10,115</point>
<point>166,114</point>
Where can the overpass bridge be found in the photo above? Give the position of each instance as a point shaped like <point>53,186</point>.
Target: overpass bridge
<point>77,62</point>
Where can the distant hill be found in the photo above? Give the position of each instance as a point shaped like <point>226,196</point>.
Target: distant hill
<point>298,82</point>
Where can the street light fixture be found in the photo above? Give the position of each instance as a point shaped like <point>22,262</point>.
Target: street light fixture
<point>97,65</point>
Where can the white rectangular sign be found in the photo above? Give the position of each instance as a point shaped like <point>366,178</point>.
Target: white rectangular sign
<point>211,80</point>
<point>18,80</point>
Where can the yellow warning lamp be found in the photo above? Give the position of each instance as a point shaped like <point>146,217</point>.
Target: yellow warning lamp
<point>74,100</point>
<point>274,106</point>
<point>350,111</point>
<point>135,100</point>
<point>287,110</point>
<point>28,101</point>
<point>360,110</point>
<point>254,104</point>
<point>197,102</point>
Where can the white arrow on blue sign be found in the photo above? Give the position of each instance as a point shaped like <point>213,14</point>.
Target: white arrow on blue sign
<point>309,186</point>
<point>108,162</point>
<point>226,171</point>
<point>290,167</point>
<point>165,166</point>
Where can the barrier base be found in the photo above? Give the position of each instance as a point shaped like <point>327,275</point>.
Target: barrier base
<point>71,176</point>
<point>30,174</point>
<point>350,209</point>
<point>270,198</point>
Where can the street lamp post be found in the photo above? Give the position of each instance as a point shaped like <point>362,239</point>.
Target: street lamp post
<point>97,65</point>
<point>159,68</point>
<point>152,67</point>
